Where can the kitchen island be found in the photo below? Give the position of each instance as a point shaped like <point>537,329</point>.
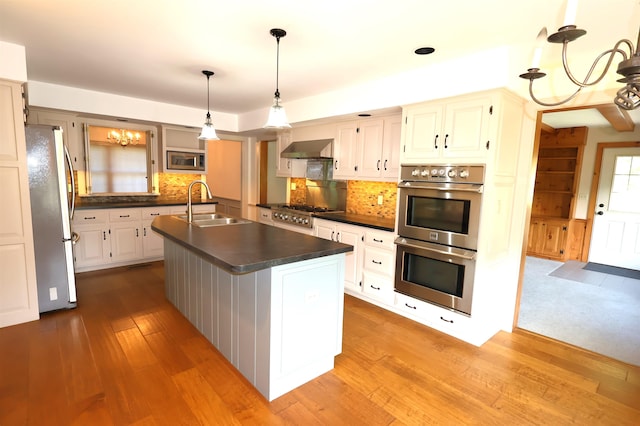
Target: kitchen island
<point>270,300</point>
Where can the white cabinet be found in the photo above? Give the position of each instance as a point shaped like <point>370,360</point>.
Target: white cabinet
<point>378,267</point>
<point>152,242</point>
<point>346,234</point>
<point>357,148</point>
<point>71,132</point>
<point>368,149</point>
<point>120,236</point>
<point>18,287</point>
<point>288,167</point>
<point>93,247</point>
<point>447,130</point>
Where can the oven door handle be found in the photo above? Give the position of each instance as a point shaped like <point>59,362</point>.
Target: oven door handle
<point>435,248</point>
<point>463,187</point>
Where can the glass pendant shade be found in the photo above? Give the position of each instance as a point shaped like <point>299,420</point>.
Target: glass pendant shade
<point>208,132</point>
<point>277,117</point>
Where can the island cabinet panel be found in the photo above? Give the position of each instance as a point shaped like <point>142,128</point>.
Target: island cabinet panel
<point>279,327</point>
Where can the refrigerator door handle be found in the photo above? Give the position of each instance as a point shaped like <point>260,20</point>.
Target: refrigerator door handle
<point>72,209</point>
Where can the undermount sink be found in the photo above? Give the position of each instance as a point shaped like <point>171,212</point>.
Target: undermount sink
<point>203,220</point>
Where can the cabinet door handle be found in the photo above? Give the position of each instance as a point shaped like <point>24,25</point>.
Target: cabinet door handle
<point>144,232</point>
<point>446,320</point>
<point>137,233</point>
<point>378,165</point>
<point>336,165</point>
<point>445,141</point>
<point>435,142</point>
<point>377,263</point>
<point>332,234</point>
<point>409,306</point>
<point>155,214</point>
<point>375,288</point>
<point>89,218</point>
<point>104,235</point>
<point>377,240</point>
<point>338,237</point>
<point>125,215</point>
<point>385,164</point>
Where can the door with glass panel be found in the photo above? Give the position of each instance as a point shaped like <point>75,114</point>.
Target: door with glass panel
<point>615,238</point>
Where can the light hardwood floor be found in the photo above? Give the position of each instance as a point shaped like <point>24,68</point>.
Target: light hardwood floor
<point>125,356</point>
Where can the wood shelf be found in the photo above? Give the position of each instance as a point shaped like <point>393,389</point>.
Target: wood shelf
<point>557,176</point>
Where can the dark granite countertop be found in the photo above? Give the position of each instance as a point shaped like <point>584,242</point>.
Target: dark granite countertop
<point>147,203</point>
<point>353,219</point>
<point>247,247</point>
<point>361,220</point>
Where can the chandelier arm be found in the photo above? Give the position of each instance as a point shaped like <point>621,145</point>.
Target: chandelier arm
<point>610,52</point>
<point>539,102</point>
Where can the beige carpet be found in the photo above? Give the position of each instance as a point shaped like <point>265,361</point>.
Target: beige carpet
<point>592,310</point>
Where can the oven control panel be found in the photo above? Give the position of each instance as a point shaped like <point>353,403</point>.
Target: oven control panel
<point>442,173</point>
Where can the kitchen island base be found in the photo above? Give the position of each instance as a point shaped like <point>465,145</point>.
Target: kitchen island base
<point>279,327</point>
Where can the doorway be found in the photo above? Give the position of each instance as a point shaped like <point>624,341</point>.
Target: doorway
<point>553,290</point>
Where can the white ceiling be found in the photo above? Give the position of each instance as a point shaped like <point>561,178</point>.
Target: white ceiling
<point>156,49</point>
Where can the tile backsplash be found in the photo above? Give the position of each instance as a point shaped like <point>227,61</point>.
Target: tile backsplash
<point>362,197</point>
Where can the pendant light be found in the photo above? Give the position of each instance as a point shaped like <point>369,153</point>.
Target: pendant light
<point>208,132</point>
<point>277,117</point>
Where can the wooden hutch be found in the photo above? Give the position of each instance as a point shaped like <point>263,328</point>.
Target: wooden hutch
<point>553,232</point>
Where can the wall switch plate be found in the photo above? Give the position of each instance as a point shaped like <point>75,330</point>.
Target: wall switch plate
<point>53,293</point>
<point>380,199</point>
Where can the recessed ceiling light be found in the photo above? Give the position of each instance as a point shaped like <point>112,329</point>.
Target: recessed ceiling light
<point>424,50</point>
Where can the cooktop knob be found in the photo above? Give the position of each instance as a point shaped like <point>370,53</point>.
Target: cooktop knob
<point>424,173</point>
<point>415,172</point>
<point>434,172</point>
<point>464,173</point>
<point>442,172</point>
<point>452,173</point>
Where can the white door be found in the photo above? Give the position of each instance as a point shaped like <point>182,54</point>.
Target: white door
<point>616,226</point>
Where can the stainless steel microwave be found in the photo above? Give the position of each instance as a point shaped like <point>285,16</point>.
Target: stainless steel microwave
<point>186,161</point>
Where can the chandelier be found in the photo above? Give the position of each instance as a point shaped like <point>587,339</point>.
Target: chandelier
<point>627,98</point>
<point>123,137</point>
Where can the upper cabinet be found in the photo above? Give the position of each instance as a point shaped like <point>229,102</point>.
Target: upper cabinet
<point>447,130</point>
<point>367,149</point>
<point>288,167</point>
<point>71,132</point>
<point>178,141</point>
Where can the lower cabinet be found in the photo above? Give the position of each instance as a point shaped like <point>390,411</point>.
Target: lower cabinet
<point>378,267</point>
<point>120,236</point>
<point>346,234</point>
<point>548,238</point>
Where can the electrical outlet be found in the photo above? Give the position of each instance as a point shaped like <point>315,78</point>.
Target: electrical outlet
<point>380,199</point>
<point>53,293</point>
<point>293,186</point>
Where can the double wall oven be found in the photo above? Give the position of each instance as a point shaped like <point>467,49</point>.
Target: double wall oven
<point>438,224</point>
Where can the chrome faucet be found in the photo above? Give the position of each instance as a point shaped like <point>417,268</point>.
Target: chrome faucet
<point>189,208</point>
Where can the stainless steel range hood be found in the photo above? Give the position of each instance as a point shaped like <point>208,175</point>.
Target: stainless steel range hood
<point>315,149</point>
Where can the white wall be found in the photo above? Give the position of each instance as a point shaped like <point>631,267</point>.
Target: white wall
<point>13,65</point>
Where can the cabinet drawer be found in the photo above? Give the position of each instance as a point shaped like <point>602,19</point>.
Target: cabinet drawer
<point>89,217</point>
<point>435,316</point>
<point>378,286</point>
<point>380,239</point>
<point>379,261</point>
<point>150,213</point>
<point>124,215</point>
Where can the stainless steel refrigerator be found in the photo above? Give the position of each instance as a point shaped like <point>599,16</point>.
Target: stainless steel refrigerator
<point>52,193</point>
